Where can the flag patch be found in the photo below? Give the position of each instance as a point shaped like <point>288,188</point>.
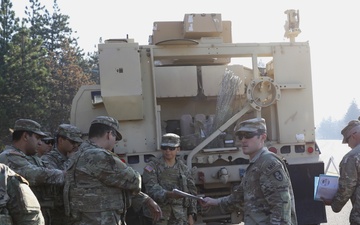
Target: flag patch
<point>148,168</point>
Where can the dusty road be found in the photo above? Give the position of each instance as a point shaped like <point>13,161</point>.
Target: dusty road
<point>341,218</point>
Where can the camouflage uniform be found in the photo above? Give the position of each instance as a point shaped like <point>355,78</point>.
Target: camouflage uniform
<point>349,178</point>
<point>18,204</point>
<point>32,168</point>
<point>24,165</point>
<point>265,192</point>
<point>56,160</point>
<point>99,186</point>
<point>160,178</point>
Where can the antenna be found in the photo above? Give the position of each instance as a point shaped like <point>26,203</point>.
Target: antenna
<point>291,26</point>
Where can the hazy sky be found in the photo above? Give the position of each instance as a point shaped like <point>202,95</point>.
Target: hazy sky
<point>329,26</point>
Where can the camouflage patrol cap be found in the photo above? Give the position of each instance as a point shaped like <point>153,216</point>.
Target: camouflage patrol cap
<point>28,125</point>
<point>111,122</point>
<point>48,136</point>
<point>350,128</point>
<point>171,140</point>
<point>252,125</point>
<point>71,132</point>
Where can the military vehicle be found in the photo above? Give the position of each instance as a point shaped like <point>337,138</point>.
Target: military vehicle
<point>192,80</point>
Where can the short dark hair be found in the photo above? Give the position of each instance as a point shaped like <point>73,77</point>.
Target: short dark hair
<point>16,135</point>
<point>99,129</point>
<point>59,136</point>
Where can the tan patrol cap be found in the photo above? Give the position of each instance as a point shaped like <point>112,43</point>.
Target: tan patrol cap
<point>350,128</point>
<point>252,125</point>
<point>111,122</point>
<point>28,125</point>
<point>71,132</point>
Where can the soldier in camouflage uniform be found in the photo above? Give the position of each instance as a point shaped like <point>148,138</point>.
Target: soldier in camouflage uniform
<point>265,193</point>
<point>99,187</point>
<point>21,157</point>
<point>14,193</point>
<point>46,145</point>
<point>162,175</point>
<point>68,138</point>
<point>349,179</point>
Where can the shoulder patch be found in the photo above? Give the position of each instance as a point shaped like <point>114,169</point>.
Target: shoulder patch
<point>271,166</point>
<point>148,168</point>
<point>278,176</point>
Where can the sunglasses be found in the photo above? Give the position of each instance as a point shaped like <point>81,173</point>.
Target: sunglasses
<point>48,142</point>
<point>115,135</point>
<point>247,135</point>
<point>168,147</point>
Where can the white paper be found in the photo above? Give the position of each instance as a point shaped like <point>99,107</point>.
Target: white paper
<point>325,187</point>
<point>187,194</point>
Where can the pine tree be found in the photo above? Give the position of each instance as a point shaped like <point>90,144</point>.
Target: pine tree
<point>67,78</point>
<point>65,61</point>
<point>331,129</point>
<point>9,25</point>
<point>352,113</point>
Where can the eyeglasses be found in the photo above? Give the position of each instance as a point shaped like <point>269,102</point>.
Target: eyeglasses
<point>48,142</point>
<point>115,135</point>
<point>168,147</point>
<point>347,139</point>
<point>247,135</point>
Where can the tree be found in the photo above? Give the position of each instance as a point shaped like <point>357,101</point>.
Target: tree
<point>64,61</point>
<point>91,66</point>
<point>352,113</point>
<point>41,67</point>
<point>9,24</point>
<point>67,77</point>
<point>331,129</point>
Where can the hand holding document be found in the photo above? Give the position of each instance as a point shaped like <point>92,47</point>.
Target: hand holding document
<point>325,187</point>
<point>186,194</point>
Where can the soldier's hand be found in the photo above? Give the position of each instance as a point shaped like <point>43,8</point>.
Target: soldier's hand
<point>205,202</point>
<point>327,201</point>
<point>171,194</point>
<point>155,209</point>
<point>191,220</point>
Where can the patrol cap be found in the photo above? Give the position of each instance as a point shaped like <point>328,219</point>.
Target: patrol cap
<point>111,122</point>
<point>350,128</point>
<point>252,125</point>
<point>28,125</point>
<point>171,140</point>
<point>71,132</point>
<point>48,136</point>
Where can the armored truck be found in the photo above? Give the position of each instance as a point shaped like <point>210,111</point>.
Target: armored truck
<point>193,80</point>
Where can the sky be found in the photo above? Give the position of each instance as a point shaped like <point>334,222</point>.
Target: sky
<point>330,27</point>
